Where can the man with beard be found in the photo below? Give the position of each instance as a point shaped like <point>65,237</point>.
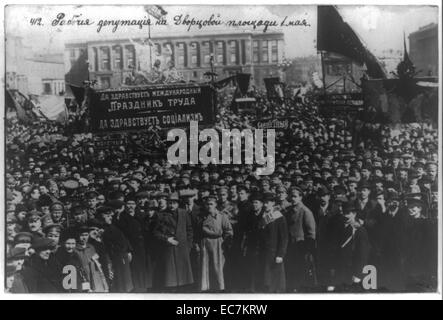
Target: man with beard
<point>174,233</point>
<point>131,224</point>
<point>119,250</point>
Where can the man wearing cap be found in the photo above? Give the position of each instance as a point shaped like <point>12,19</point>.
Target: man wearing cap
<point>67,257</point>
<point>328,223</point>
<point>301,224</point>
<point>34,221</point>
<point>119,250</point>
<point>419,248</point>
<point>79,216</point>
<point>91,203</point>
<point>175,235</point>
<point>272,245</point>
<point>57,214</point>
<point>42,274</point>
<point>15,261</point>
<point>354,250</point>
<point>216,229</point>
<point>229,209</point>
<point>196,213</point>
<point>131,224</point>
<point>281,201</point>
<point>392,231</point>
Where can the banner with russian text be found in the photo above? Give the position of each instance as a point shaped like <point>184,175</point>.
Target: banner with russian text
<point>144,108</point>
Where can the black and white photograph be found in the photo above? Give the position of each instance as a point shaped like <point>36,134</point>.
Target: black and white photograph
<point>278,149</point>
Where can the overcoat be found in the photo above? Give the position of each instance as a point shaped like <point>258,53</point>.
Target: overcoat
<point>174,263</point>
<point>118,247</point>
<point>132,227</point>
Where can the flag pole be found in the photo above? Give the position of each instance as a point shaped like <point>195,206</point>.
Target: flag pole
<point>150,47</point>
<point>323,72</point>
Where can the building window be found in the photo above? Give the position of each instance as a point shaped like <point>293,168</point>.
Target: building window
<point>206,52</point>
<point>255,51</point>
<point>118,58</point>
<point>220,52</point>
<point>105,82</point>
<point>233,52</point>
<point>47,88</point>
<point>105,55</point>
<point>169,52</point>
<point>181,55</point>
<point>194,55</point>
<point>95,54</point>
<point>194,74</point>
<point>130,56</point>
<point>158,49</point>
<point>274,50</point>
<point>264,51</point>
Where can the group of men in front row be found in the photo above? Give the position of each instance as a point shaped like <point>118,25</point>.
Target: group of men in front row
<point>261,242</point>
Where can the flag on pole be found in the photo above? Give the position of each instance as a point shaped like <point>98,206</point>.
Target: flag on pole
<point>335,35</point>
<point>155,11</point>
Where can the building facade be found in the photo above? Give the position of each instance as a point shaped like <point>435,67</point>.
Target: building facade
<point>255,53</point>
<point>423,50</point>
<point>31,72</point>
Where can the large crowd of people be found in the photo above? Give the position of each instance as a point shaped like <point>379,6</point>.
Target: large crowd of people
<point>87,218</point>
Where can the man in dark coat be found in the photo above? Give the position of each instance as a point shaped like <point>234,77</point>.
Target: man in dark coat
<point>175,235</point>
<point>392,230</point>
<point>42,273</point>
<point>328,223</point>
<point>250,246</point>
<point>368,214</point>
<point>273,241</point>
<point>196,214</point>
<point>119,250</point>
<point>419,249</point>
<point>131,224</point>
<point>354,249</point>
<point>151,243</point>
<point>245,212</point>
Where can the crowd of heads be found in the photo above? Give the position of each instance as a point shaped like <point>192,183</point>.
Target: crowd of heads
<point>55,180</point>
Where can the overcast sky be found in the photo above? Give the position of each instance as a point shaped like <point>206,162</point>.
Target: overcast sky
<point>380,27</point>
